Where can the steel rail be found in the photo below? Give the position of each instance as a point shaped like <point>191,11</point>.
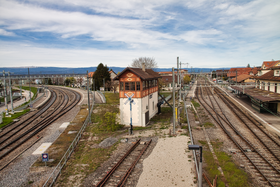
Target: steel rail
<point>30,119</point>
<point>107,176</point>
<point>239,146</point>
<point>45,124</point>
<point>254,133</point>
<point>124,178</point>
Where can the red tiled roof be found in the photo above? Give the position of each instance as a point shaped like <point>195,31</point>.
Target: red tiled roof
<point>269,64</point>
<point>269,76</point>
<point>168,79</point>
<point>255,70</point>
<point>242,77</point>
<point>144,75</point>
<point>90,74</point>
<point>240,71</point>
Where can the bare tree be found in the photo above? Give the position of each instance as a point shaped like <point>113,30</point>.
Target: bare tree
<point>150,63</point>
<point>80,81</point>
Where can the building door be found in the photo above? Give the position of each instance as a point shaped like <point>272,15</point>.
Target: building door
<point>275,88</point>
<point>146,117</point>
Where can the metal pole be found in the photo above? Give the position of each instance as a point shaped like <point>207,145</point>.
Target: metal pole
<point>5,93</point>
<point>130,102</point>
<point>29,90</point>
<point>180,82</point>
<point>173,92</point>
<point>200,167</point>
<point>94,90</point>
<point>88,99</point>
<point>20,89</point>
<point>11,92</point>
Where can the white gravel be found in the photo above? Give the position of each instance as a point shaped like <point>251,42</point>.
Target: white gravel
<point>169,164</point>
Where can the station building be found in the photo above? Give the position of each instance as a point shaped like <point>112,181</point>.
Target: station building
<point>142,86</point>
<point>265,92</point>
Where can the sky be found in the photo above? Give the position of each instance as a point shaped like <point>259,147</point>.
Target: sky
<point>84,33</point>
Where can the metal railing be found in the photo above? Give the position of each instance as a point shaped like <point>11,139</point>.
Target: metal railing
<point>190,131</point>
<point>52,178</point>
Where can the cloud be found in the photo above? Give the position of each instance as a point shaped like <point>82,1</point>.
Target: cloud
<point>117,31</point>
<point>6,33</point>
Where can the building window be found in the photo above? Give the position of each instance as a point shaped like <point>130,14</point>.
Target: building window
<point>275,88</point>
<point>137,85</point>
<point>156,82</point>
<point>121,86</point>
<point>268,86</point>
<point>127,86</point>
<point>132,86</point>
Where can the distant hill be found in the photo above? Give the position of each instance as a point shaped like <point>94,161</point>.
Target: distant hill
<point>59,70</point>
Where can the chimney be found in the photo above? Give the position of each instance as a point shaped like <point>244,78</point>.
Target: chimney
<point>143,66</point>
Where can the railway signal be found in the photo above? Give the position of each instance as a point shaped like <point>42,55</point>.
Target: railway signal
<point>45,158</point>
<point>131,101</point>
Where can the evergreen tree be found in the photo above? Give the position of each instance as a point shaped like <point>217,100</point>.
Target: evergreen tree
<point>102,72</point>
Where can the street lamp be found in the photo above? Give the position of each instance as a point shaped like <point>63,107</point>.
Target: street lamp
<point>198,147</point>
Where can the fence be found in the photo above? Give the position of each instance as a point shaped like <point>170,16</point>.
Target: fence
<point>52,178</point>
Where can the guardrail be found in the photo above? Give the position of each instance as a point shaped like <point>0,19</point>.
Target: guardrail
<point>102,96</point>
<point>190,131</point>
<point>52,178</point>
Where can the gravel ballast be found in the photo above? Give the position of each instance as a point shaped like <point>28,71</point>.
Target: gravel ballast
<point>169,164</point>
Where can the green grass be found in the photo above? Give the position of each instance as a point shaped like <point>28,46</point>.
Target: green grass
<point>234,176</point>
<point>165,94</point>
<point>112,98</point>
<point>208,124</point>
<point>33,90</point>
<point>195,104</point>
<point>8,120</point>
<point>166,114</point>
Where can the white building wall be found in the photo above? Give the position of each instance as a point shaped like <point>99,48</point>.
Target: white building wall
<point>153,100</point>
<point>142,105</point>
<point>125,112</point>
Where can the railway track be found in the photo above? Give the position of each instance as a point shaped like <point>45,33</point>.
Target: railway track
<point>259,149</point>
<point>119,173</point>
<point>18,136</point>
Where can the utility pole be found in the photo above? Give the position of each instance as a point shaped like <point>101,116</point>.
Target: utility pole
<point>173,92</point>
<point>11,92</point>
<point>94,90</point>
<point>29,90</point>
<point>88,99</point>
<point>20,89</point>
<point>5,93</point>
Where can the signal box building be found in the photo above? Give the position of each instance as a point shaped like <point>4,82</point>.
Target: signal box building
<point>142,86</point>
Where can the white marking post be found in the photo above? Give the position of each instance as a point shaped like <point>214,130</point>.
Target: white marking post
<point>42,148</point>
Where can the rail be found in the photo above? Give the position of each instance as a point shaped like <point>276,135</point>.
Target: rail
<point>52,178</point>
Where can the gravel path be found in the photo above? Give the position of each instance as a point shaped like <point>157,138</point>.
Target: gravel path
<point>169,164</point>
